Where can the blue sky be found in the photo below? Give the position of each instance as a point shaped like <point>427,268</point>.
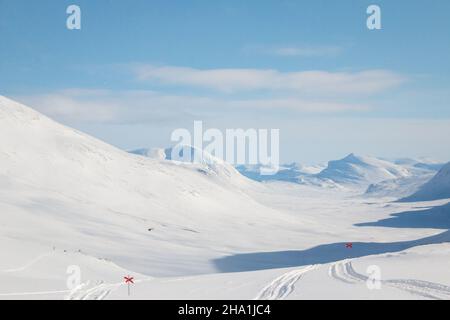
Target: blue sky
<point>139,69</point>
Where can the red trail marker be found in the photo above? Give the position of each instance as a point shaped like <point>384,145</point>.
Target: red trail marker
<point>128,281</point>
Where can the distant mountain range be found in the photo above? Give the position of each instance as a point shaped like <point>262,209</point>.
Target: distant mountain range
<point>376,177</point>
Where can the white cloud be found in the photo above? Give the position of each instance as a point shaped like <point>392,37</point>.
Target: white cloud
<point>301,82</point>
<point>304,92</point>
<point>295,51</point>
<point>80,105</point>
<point>305,51</point>
<point>133,106</point>
<point>298,105</point>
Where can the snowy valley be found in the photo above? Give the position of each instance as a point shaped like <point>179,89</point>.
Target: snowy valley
<point>209,230</point>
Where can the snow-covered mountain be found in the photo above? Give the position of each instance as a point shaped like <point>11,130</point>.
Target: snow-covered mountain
<point>437,188</point>
<point>62,188</point>
<point>421,163</point>
<point>421,171</point>
<point>70,200</point>
<point>206,163</point>
<point>381,177</point>
<point>398,188</point>
<point>361,170</point>
<point>293,172</point>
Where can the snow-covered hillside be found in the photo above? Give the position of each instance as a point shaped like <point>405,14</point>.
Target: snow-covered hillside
<point>293,172</point>
<point>205,162</point>
<point>374,177</point>
<point>361,170</point>
<point>398,188</point>
<point>437,188</point>
<point>381,177</point>
<point>420,172</point>
<point>187,230</point>
<point>421,163</point>
<point>61,188</point>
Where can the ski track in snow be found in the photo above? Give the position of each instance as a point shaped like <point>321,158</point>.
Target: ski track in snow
<point>82,292</point>
<point>24,267</point>
<point>336,271</point>
<point>282,286</point>
<point>28,264</point>
<point>98,290</point>
<point>35,293</point>
<point>92,291</point>
<point>85,291</point>
<point>344,271</point>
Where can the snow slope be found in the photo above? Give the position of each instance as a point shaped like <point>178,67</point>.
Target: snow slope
<point>437,188</point>
<point>398,188</point>
<point>420,172</point>
<point>342,280</point>
<point>69,199</point>
<point>361,170</point>
<point>61,188</point>
<point>382,178</point>
<point>421,163</point>
<point>206,163</point>
<point>293,172</point>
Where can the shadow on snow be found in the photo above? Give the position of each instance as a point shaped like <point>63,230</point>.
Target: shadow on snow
<point>436,218</point>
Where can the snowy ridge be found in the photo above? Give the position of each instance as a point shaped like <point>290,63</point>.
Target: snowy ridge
<point>193,230</point>
<point>420,163</point>
<point>398,188</point>
<point>293,172</point>
<point>380,177</point>
<point>437,188</point>
<point>361,170</point>
<point>61,188</point>
<point>204,162</point>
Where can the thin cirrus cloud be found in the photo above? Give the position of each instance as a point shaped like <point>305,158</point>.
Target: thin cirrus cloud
<point>299,82</point>
<point>143,106</point>
<point>305,51</point>
<point>320,92</point>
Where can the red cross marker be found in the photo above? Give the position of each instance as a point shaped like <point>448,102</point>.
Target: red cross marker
<point>349,245</point>
<point>128,281</point>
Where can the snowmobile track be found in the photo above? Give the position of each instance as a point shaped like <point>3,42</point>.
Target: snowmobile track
<point>282,286</point>
<point>344,271</point>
